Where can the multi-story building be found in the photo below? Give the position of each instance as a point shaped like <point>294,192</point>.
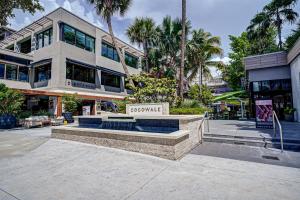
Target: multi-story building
<point>63,54</point>
<point>275,76</point>
<point>5,32</point>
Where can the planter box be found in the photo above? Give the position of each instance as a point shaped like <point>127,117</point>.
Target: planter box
<point>7,121</point>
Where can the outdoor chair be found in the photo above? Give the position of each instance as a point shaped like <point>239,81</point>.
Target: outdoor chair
<point>57,121</point>
<point>35,121</point>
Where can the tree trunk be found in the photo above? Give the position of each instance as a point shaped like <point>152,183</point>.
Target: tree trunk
<point>181,74</point>
<point>278,24</point>
<point>118,50</point>
<point>201,78</point>
<point>145,47</point>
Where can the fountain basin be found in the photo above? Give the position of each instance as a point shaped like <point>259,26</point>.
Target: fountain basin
<point>184,132</point>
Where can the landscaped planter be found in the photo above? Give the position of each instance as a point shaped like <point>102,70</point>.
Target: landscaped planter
<point>68,117</point>
<point>7,121</point>
<point>289,117</point>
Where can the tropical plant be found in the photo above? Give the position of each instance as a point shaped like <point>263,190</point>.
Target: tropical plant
<point>106,9</point>
<point>152,90</point>
<point>200,51</point>
<point>274,14</point>
<point>143,32</point>
<point>289,110</point>
<point>293,37</point>
<point>202,94</point>
<point>11,100</point>
<point>7,7</point>
<point>183,39</point>
<point>71,102</point>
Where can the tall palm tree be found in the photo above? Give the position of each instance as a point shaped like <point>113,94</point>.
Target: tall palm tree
<point>143,32</point>
<point>276,13</point>
<point>169,42</point>
<point>106,9</point>
<point>183,37</point>
<point>200,51</point>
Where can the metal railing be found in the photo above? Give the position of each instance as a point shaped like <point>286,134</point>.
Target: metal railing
<point>205,118</point>
<point>280,129</point>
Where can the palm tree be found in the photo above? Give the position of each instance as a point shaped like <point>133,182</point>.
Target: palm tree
<point>275,14</point>
<point>183,38</point>
<point>200,51</point>
<point>106,9</point>
<point>169,42</point>
<point>143,32</point>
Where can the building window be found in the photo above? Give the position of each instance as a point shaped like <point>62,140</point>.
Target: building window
<point>23,74</point>
<point>265,86</point>
<point>25,46</point>
<point>256,86</point>
<point>131,60</point>
<point>110,52</point>
<point>2,70</point>
<point>44,38</point>
<point>80,73</point>
<point>75,37</point>
<point>110,80</point>
<point>42,73</point>
<point>11,72</point>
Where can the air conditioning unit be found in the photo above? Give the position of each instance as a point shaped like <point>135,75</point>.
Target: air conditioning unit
<point>69,83</point>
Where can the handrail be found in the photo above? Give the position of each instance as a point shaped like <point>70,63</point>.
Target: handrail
<point>280,129</point>
<point>205,118</point>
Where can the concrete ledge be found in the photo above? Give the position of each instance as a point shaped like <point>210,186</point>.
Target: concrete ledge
<point>170,146</point>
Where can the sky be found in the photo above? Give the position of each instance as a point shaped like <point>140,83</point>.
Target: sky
<point>220,17</point>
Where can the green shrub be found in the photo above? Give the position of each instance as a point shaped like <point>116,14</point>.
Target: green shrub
<point>190,103</point>
<point>11,100</point>
<point>188,111</point>
<point>43,113</point>
<point>71,102</point>
<point>122,105</point>
<point>24,114</point>
<point>289,110</point>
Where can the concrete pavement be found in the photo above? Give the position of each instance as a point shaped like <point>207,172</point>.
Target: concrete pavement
<point>69,170</point>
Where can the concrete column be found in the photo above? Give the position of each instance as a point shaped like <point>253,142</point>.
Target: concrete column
<point>98,78</point>
<point>122,83</point>
<point>59,106</point>
<point>33,42</point>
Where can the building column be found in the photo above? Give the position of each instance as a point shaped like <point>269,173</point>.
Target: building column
<point>59,106</point>
<point>98,78</point>
<point>122,83</point>
<point>33,42</point>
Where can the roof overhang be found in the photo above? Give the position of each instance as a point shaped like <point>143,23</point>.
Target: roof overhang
<point>24,31</point>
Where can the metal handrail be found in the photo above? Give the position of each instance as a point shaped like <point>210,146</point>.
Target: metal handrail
<point>280,129</point>
<point>205,118</point>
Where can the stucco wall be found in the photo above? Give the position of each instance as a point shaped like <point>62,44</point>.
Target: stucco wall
<point>271,73</point>
<point>295,72</point>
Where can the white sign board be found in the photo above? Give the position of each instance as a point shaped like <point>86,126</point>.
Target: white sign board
<point>86,110</point>
<point>147,109</point>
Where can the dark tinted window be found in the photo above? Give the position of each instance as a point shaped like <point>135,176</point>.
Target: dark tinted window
<point>69,34</point>
<point>256,86</point>
<point>2,69</point>
<point>80,39</point>
<point>80,73</point>
<point>110,80</point>
<point>89,43</point>
<point>109,51</point>
<point>44,38</point>
<point>23,74</point>
<point>11,72</point>
<point>42,73</point>
<point>131,60</point>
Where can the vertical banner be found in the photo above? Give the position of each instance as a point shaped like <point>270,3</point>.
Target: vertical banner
<point>86,110</point>
<point>264,114</point>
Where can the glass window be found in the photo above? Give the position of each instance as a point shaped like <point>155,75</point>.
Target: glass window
<point>275,85</point>
<point>90,43</point>
<point>11,72</point>
<point>80,39</point>
<point>80,73</point>
<point>131,61</point>
<point>256,87</point>
<point>69,34</point>
<point>110,80</point>
<point>42,73</point>
<point>2,70</point>
<point>23,74</point>
<point>286,84</point>
<point>265,86</point>
<point>109,51</point>
<point>46,38</point>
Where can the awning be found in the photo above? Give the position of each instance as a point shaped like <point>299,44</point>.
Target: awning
<point>110,71</point>
<point>75,62</point>
<point>41,62</point>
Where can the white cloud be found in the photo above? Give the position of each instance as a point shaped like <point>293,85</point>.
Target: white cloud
<point>67,5</point>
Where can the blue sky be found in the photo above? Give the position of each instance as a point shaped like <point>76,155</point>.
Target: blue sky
<point>220,17</point>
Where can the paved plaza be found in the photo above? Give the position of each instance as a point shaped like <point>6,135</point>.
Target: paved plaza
<point>55,169</point>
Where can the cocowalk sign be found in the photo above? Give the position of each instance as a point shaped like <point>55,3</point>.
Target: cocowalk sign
<point>264,114</point>
<point>147,109</point>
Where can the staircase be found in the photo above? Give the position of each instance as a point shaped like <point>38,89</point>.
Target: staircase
<point>245,133</point>
<point>289,144</point>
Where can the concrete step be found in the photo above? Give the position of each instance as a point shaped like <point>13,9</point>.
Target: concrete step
<point>268,139</point>
<point>252,142</point>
